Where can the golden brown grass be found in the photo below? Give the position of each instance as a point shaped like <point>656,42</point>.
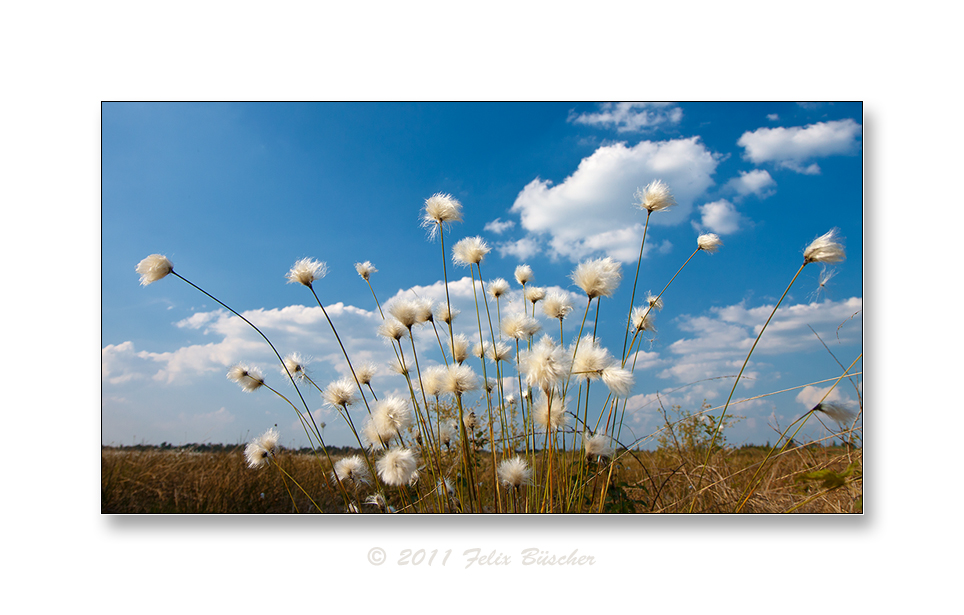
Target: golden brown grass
<point>810,479</point>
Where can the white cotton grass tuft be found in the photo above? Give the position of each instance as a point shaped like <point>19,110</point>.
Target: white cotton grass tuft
<point>397,467</point>
<point>296,365</point>
<point>514,472</point>
<point>498,287</point>
<point>470,421</point>
<point>261,448</point>
<point>500,351</point>
<point>432,378</point>
<point>534,294</point>
<point>249,378</point>
<point>306,271</point>
<point>446,314</point>
<point>440,209</point>
<point>392,416</point>
<point>340,393</point>
<point>365,373</point>
<point>470,251</point>
<point>837,412</point>
<point>352,470</point>
<point>598,277</point>
<point>448,434</point>
<point>590,358</point>
<point>642,321</point>
<point>550,414</point>
<point>619,380</point>
<point>405,311</point>
<point>459,345</point>
<point>520,326</point>
<point>825,249</point>
<point>365,269</point>
<point>654,302</point>
<point>709,242</point>
<point>557,305</point>
<point>393,329</point>
<point>599,445</point>
<point>656,196</point>
<point>423,310</point>
<point>545,365</point>
<point>459,379</point>
<point>523,274</point>
<point>153,268</point>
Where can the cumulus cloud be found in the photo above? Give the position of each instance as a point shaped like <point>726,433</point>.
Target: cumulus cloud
<point>720,217</point>
<point>630,116</point>
<point>773,117</point>
<point>498,226</point>
<point>792,148</point>
<point>524,248</point>
<point>757,182</point>
<point>719,341</point>
<point>591,212</point>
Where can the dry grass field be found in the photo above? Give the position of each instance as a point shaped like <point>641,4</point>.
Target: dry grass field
<point>805,479</point>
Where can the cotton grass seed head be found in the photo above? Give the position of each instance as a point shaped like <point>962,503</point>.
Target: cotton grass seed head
<point>590,359</point>
<point>598,278</point>
<point>153,268</point>
<point>642,321</point>
<point>500,351</point>
<point>520,326</point>
<point>459,379</point>
<point>351,470</point>
<point>709,242</point>
<point>393,329</point>
<point>523,274</point>
<point>249,378</point>
<point>459,345</point>
<point>261,448</point>
<point>550,413</point>
<point>534,294</point>
<point>296,365</point>
<point>599,445</point>
<point>392,416</point>
<point>397,467</point>
<point>514,472</point>
<point>556,305</point>
<point>498,287</point>
<point>837,412</point>
<point>446,314</point>
<point>545,365</point>
<point>340,393</point>
<point>441,209</point>
<point>405,311</point>
<point>365,269</point>
<point>306,271</point>
<point>470,251</point>
<point>423,310</point>
<point>432,378</point>
<point>365,373</point>
<point>620,381</point>
<point>825,249</point>
<point>655,197</point>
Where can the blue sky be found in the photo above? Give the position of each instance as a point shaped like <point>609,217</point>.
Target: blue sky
<point>234,194</point>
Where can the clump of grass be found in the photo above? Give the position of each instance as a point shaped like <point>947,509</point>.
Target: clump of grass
<point>484,439</point>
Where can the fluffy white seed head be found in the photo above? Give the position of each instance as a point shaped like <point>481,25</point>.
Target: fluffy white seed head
<point>441,209</point>
<point>352,470</point>
<point>825,249</point>
<point>153,268</point>
<point>448,434</point>
<point>470,421</point>
<point>837,412</point>
<point>405,311</point>
<point>655,197</point>
<point>520,326</point>
<point>523,274</point>
<point>598,278</point>
<point>470,251</point>
<point>365,269</point>
<point>392,416</point>
<point>514,472</point>
<point>534,294</point>
<point>296,365</point>
<point>590,359</point>
<point>261,448</point>
<point>397,467</point>
<point>459,379</point>
<point>340,393</point>
<point>498,287</point>
<point>249,378</point>
<point>446,314</point>
<point>709,242</point>
<point>655,303</point>
<point>432,380</point>
<point>642,321</point>
<point>545,365</point>
<point>423,310</point>
<point>557,305</point>
<point>500,351</point>
<point>550,414</point>
<point>459,345</point>
<point>365,373</point>
<point>620,381</point>
<point>392,329</point>
<point>599,445</point>
<point>306,271</point>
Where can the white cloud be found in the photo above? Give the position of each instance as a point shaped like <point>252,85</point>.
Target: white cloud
<point>524,248</point>
<point>591,211</point>
<point>773,117</point>
<point>792,148</point>
<point>720,217</point>
<point>810,396</point>
<point>498,226</point>
<point>630,116</point>
<point>756,182</point>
